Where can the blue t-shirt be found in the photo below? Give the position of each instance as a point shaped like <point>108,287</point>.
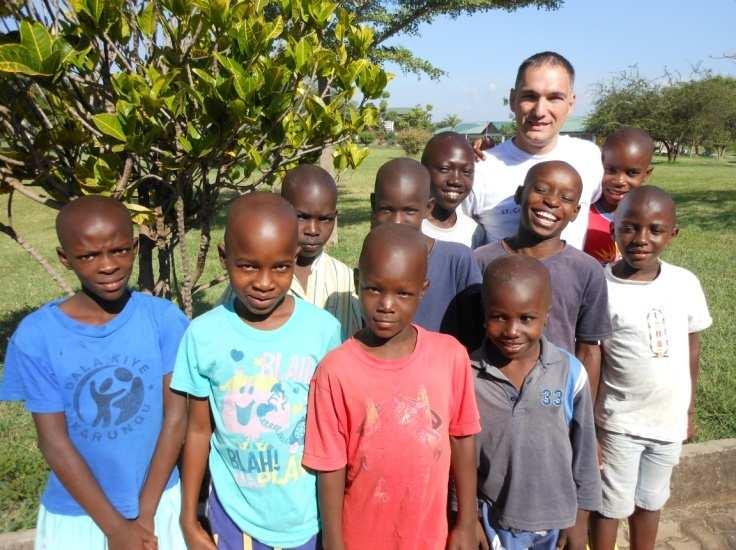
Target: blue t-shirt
<point>451,271</point>
<point>257,383</point>
<point>108,381</point>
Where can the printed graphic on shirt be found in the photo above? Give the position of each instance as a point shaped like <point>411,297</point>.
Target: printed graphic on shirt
<point>109,398</point>
<point>264,410</point>
<point>551,398</point>
<point>658,342</point>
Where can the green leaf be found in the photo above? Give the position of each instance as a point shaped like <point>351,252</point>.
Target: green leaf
<point>109,124</point>
<point>205,76</point>
<point>147,19</point>
<point>302,53</point>
<point>94,8</point>
<point>15,58</point>
<point>36,40</point>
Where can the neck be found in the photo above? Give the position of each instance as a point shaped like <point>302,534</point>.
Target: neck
<point>398,346</point>
<point>304,261</point>
<point>93,302</point>
<point>604,205</point>
<point>530,244</point>
<point>442,216</point>
<point>266,321</point>
<point>622,270</point>
<point>522,143</point>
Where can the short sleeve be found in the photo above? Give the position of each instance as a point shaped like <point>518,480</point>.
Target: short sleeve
<point>698,316</point>
<point>325,443</point>
<point>187,377</point>
<point>30,379</point>
<point>594,323</point>
<point>471,271</point>
<point>172,325</point>
<point>479,237</point>
<point>465,419</point>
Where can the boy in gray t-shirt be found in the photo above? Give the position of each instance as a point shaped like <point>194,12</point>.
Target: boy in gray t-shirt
<point>578,320</point>
<point>538,476</point>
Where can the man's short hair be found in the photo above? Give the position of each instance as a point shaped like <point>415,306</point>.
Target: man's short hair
<point>545,58</point>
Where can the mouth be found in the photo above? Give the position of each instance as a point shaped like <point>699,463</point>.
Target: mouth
<point>113,286</point>
<point>637,254</point>
<point>511,347</point>
<point>259,303</point>
<point>544,218</point>
<point>310,245</point>
<point>452,196</point>
<point>384,324</point>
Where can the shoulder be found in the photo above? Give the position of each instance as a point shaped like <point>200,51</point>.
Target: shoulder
<point>495,158</point>
<point>442,345</point>
<point>449,249</point>
<point>684,276</point>
<point>33,325</point>
<point>339,267</point>
<point>573,370</point>
<point>211,319</point>
<point>581,264</point>
<point>159,307</point>
<point>488,252</point>
<point>333,364</point>
<point>315,319</point>
<point>580,147</point>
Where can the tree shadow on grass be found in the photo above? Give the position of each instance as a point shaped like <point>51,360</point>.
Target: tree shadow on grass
<point>8,323</point>
<point>711,210</point>
<point>353,211</point>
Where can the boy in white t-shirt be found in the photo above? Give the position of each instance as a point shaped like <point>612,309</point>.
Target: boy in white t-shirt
<point>449,158</point>
<point>646,400</point>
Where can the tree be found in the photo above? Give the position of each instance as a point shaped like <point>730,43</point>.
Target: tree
<point>678,114</point>
<point>417,117</point>
<point>173,106</point>
<point>413,140</point>
<point>450,121</point>
<point>391,18</point>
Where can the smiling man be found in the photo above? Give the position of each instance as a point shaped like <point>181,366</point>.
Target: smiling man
<point>541,100</point>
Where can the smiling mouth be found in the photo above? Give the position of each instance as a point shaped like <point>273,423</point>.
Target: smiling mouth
<point>452,196</point>
<point>544,218</point>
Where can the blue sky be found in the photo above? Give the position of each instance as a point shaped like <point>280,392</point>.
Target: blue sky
<point>481,53</point>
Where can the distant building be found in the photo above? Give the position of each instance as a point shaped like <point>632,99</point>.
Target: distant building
<point>498,130</point>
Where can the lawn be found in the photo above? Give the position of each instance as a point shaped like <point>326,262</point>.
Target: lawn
<point>705,192</point>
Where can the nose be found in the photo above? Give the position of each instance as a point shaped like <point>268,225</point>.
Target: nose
<point>107,264</point>
<point>263,281</point>
<point>396,217</point>
<point>311,228</point>
<point>552,200</point>
<point>385,303</point>
<point>510,329</point>
<point>640,236</point>
<point>539,108</point>
<point>454,177</point>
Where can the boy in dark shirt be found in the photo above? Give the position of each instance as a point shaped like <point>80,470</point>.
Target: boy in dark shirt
<point>578,320</point>
<point>401,195</point>
<point>537,468</point>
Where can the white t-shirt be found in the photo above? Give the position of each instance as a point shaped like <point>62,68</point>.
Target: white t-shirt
<point>465,231</point>
<point>503,170</point>
<point>645,377</point>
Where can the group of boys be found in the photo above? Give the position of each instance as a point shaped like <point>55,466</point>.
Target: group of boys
<point>330,417</point>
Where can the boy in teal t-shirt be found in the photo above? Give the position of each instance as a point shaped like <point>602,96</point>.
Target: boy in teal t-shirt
<point>249,362</point>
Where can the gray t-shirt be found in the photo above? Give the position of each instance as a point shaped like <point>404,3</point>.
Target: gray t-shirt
<point>580,296</point>
<point>537,460</point>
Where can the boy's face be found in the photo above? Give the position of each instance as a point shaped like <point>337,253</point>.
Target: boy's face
<point>625,167</point>
<point>402,202</point>
<point>642,231</point>
<point>515,317</point>
<point>316,212</point>
<point>549,202</point>
<point>390,292</point>
<point>101,252</point>
<point>541,104</point>
<point>260,265</point>
<point>451,168</point>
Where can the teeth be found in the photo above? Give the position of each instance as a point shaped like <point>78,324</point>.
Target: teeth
<point>452,195</point>
<point>546,215</point>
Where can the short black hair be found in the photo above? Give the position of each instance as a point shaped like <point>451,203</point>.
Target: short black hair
<point>545,58</point>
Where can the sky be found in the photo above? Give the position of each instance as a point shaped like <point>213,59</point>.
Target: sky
<point>481,52</point>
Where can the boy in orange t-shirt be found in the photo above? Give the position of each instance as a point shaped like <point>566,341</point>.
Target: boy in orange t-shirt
<point>390,413</point>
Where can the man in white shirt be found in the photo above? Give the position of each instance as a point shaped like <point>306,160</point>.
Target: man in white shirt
<point>541,100</point>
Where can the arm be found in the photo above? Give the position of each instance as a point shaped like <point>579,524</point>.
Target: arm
<point>589,354</point>
<point>194,464</point>
<point>694,341</point>
<point>331,491</point>
<point>73,472</point>
<point>168,446</point>
<point>464,474</point>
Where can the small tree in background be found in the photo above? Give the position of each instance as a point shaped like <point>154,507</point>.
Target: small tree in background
<point>166,104</point>
<point>413,140</point>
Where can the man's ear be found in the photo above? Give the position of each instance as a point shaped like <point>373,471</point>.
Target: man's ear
<point>63,257</point>
<point>572,103</point>
<point>517,194</point>
<point>222,255</point>
<point>512,98</point>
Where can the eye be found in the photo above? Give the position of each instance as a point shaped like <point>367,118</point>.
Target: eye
<point>87,257</point>
<point>633,173</point>
<point>411,210</point>
<point>281,268</point>
<point>302,217</point>
<point>526,319</point>
<point>567,198</point>
<point>246,266</point>
<point>121,251</point>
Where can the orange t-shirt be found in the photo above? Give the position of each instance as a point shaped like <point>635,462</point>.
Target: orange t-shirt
<point>389,423</point>
<point>598,240</point>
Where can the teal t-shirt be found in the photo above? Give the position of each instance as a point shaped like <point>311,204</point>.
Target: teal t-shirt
<point>257,383</point>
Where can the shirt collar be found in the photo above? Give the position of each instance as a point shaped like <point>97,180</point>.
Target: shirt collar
<point>550,355</point>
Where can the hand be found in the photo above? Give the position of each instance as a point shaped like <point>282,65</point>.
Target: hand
<point>692,427</point>
<point>463,537</point>
<point>479,145</point>
<point>196,537</point>
<point>481,534</point>
<point>131,536</point>
<point>147,523</point>
<point>575,537</point>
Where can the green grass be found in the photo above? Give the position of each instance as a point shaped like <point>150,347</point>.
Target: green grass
<point>705,191</point>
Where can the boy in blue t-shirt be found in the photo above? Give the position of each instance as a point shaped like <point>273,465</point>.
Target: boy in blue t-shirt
<point>402,195</point>
<point>248,363</point>
<point>94,372</point>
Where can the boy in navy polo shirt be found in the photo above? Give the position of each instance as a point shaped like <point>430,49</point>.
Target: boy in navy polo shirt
<point>537,471</point>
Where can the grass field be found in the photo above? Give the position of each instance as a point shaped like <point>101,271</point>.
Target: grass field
<point>705,191</point>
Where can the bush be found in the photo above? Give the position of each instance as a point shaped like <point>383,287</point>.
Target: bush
<point>413,140</point>
<point>366,138</point>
